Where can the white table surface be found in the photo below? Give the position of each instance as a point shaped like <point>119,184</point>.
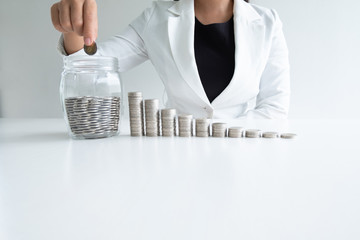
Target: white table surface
<point>52,187</point>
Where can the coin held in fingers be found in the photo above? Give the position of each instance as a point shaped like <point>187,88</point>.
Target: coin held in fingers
<point>90,50</point>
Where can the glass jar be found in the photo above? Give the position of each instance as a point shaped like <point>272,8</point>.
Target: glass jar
<point>91,96</point>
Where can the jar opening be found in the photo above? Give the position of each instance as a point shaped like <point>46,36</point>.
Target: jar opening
<point>90,63</point>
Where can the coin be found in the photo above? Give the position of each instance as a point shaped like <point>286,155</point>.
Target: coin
<point>202,127</point>
<point>168,122</point>
<point>252,133</point>
<point>235,132</point>
<point>88,117</point>
<point>288,135</point>
<point>185,124</point>
<point>219,130</point>
<point>270,134</point>
<point>152,124</point>
<point>90,50</point>
<point>136,114</point>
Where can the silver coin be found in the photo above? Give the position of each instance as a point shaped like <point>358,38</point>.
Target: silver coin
<point>202,120</point>
<point>185,134</point>
<point>288,135</point>
<point>252,133</point>
<point>134,94</point>
<point>202,134</point>
<point>185,117</point>
<point>219,125</point>
<point>270,134</point>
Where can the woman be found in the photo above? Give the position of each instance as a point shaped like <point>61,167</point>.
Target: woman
<point>216,58</point>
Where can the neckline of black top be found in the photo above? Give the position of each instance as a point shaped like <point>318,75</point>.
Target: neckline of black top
<point>214,24</point>
<point>215,55</point>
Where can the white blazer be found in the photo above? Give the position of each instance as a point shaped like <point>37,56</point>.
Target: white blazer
<point>164,33</point>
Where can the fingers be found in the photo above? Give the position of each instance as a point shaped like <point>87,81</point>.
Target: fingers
<point>55,18</point>
<point>90,22</point>
<point>65,21</point>
<point>77,18</point>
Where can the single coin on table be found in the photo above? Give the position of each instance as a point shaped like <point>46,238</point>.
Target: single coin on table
<point>90,50</point>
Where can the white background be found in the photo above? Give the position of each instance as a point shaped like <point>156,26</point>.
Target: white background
<point>323,38</point>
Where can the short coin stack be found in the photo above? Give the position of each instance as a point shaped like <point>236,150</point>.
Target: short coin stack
<point>288,135</point>
<point>136,113</point>
<point>152,117</point>
<point>252,133</point>
<point>93,117</point>
<point>270,135</point>
<point>235,132</point>
<point>168,122</point>
<point>185,125</point>
<point>219,130</point>
<point>202,127</point>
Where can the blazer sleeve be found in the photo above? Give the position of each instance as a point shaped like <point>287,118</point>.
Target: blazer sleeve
<point>128,47</point>
<point>274,90</point>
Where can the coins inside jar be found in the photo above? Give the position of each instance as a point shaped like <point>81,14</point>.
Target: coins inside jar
<point>93,117</point>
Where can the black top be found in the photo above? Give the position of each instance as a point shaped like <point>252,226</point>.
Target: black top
<point>215,55</point>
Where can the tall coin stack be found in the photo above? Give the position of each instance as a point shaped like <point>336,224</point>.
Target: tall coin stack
<point>136,113</point>
<point>152,117</point>
<point>235,132</point>
<point>202,127</point>
<point>185,125</point>
<point>168,122</point>
<point>219,130</point>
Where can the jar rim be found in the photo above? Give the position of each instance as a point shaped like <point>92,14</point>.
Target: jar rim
<point>91,62</point>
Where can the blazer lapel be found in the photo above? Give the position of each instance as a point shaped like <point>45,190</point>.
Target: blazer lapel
<point>249,33</point>
<point>181,38</point>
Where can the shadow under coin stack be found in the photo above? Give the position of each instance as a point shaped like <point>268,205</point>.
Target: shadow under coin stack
<point>168,122</point>
<point>136,113</point>
<point>219,130</point>
<point>235,132</point>
<point>93,117</point>
<point>202,127</point>
<point>152,117</point>
<point>185,125</point>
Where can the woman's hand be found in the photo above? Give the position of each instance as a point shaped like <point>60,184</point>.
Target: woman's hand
<point>77,20</point>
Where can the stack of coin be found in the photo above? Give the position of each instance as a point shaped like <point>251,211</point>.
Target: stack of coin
<point>152,117</point>
<point>202,127</point>
<point>269,134</point>
<point>93,117</point>
<point>219,130</point>
<point>136,114</point>
<point>235,132</point>
<point>252,133</point>
<point>288,135</point>
<point>185,125</point>
<point>168,122</point>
